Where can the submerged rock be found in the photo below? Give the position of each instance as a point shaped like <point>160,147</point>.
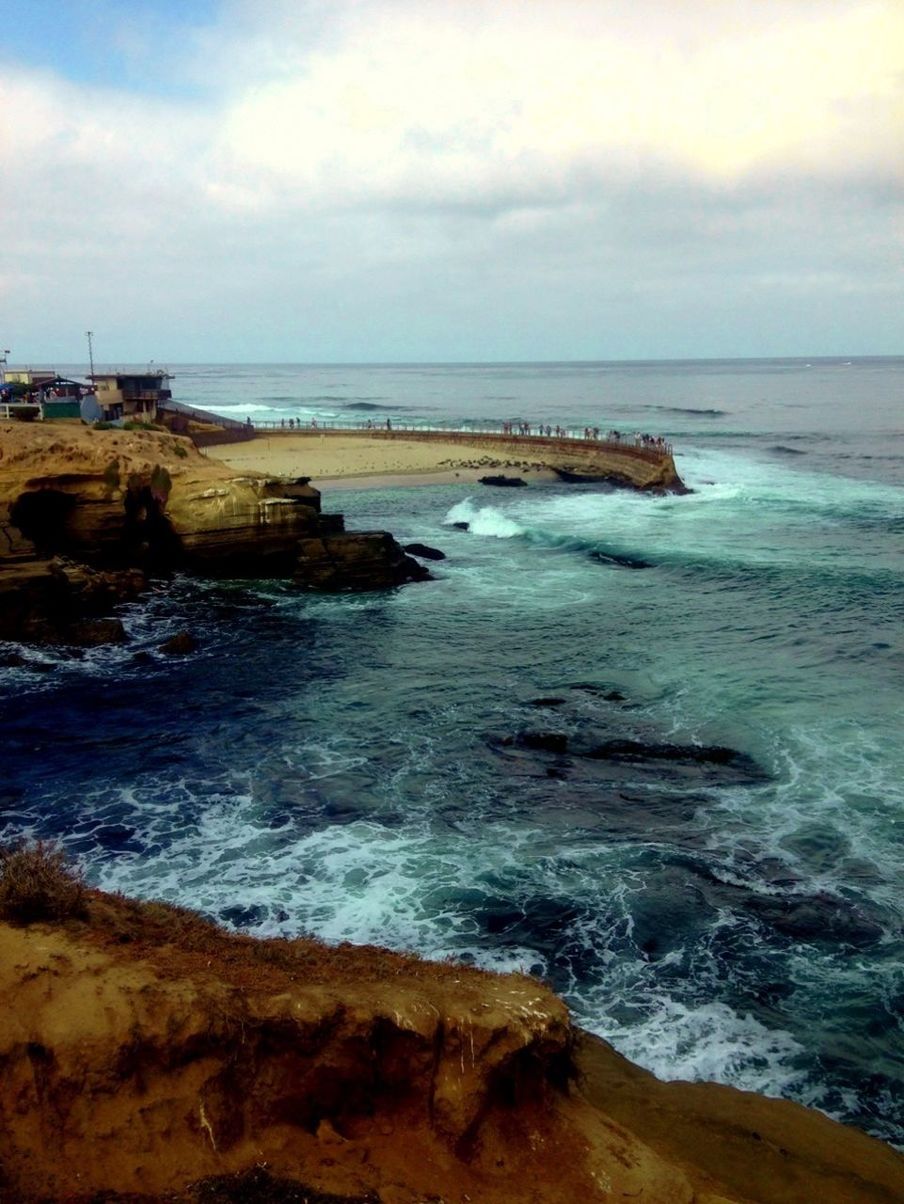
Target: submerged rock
<point>607,694</point>
<point>556,742</point>
<point>618,561</point>
<point>817,919</point>
<point>637,750</point>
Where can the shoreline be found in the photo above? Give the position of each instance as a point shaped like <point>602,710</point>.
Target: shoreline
<point>410,480</point>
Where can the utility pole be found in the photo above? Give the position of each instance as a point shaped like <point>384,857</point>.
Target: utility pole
<point>3,366</point>
<point>89,335</point>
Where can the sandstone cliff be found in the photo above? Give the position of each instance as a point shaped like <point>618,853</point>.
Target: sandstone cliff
<point>147,1055</point>
<point>119,499</point>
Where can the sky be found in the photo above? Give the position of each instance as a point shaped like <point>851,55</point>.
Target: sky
<point>450,180</point>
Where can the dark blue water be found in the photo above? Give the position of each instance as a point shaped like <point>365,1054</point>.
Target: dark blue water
<point>365,768</point>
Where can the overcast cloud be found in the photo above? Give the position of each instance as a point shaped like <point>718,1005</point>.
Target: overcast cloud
<point>439,181</point>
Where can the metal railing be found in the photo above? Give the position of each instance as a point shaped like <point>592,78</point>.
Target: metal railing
<point>643,447</point>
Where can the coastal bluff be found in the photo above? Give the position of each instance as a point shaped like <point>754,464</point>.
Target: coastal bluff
<point>400,455</point>
<point>119,501</point>
<point>149,1055</point>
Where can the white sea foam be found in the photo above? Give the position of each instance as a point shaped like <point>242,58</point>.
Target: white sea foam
<point>483,520</point>
<point>247,407</point>
<point>710,1042</point>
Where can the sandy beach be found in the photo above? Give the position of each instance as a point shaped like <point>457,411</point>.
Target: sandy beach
<point>354,461</point>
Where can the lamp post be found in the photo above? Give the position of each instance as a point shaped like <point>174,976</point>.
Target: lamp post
<point>89,334</point>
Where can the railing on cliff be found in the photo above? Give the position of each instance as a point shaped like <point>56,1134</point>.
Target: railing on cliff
<point>178,416</point>
<point>626,445</point>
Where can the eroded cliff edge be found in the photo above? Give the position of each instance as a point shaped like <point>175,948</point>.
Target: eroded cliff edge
<point>144,1051</point>
<point>117,501</point>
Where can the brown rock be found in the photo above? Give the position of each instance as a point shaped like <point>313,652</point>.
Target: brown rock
<point>180,644</point>
<point>51,601</point>
<point>151,499</point>
<point>145,1050</point>
<point>359,560</point>
<point>88,633</point>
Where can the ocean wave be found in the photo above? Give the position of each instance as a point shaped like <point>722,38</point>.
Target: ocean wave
<point>363,406</point>
<point>708,1043</point>
<point>483,520</point>
<point>245,407</point>
<point>701,412</point>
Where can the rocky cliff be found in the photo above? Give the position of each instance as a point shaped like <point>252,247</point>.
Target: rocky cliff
<point>116,499</point>
<point>147,1055</point>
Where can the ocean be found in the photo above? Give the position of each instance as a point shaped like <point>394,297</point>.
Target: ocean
<point>377,768</point>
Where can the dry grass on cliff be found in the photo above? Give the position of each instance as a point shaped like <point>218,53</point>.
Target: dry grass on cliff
<point>37,883</point>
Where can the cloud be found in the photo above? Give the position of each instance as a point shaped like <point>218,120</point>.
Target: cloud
<point>459,109</point>
<point>459,155</point>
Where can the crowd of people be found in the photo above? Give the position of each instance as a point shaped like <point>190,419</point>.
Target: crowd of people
<point>637,439</point>
<point>634,439</point>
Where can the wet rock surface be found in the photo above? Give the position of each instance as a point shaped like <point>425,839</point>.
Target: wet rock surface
<point>638,750</point>
<point>503,482</point>
<point>59,602</point>
<point>181,644</point>
<point>424,551</point>
<point>354,562</point>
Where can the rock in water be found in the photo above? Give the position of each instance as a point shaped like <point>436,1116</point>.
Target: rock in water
<point>425,551</point>
<point>89,633</point>
<point>556,742</point>
<point>181,644</point>
<point>503,481</point>
<point>355,561</point>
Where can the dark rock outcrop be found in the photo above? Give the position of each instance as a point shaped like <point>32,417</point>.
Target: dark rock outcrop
<point>424,551</point>
<point>637,750</point>
<point>556,742</point>
<point>503,482</point>
<point>181,644</point>
<point>58,602</point>
<point>355,561</point>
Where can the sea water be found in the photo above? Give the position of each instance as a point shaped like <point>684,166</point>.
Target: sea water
<point>363,767</point>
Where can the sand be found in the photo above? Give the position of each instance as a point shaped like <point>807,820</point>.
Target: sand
<point>354,461</point>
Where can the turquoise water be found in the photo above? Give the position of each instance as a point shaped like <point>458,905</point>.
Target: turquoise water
<point>363,768</point>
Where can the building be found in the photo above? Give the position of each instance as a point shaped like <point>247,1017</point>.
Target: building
<point>40,393</point>
<point>128,396</point>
